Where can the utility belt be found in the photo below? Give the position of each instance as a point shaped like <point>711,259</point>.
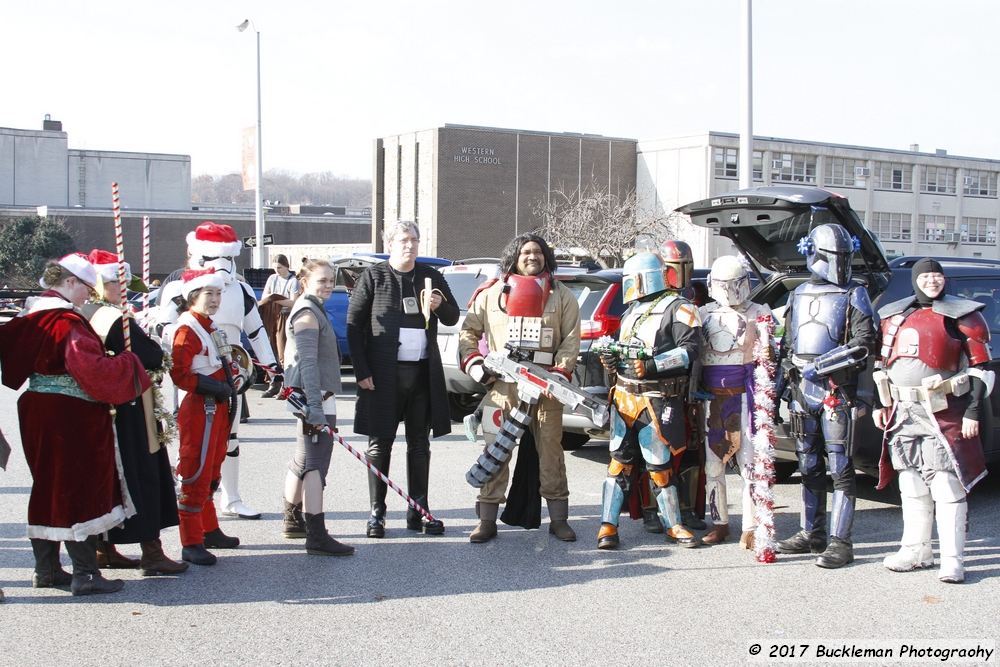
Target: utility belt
<point>927,392</point>
<point>672,387</point>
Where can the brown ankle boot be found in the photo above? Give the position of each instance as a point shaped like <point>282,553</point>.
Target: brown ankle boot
<point>108,557</point>
<point>487,528</point>
<point>747,540</point>
<point>558,524</point>
<point>154,562</point>
<point>718,534</point>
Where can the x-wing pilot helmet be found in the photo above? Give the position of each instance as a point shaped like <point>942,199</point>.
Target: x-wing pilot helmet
<point>678,262</point>
<point>642,275</point>
<point>729,282</point>
<point>829,250</point>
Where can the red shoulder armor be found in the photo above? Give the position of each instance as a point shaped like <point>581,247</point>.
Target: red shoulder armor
<point>486,285</point>
<point>977,341</point>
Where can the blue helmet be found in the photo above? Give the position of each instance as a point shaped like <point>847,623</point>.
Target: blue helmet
<point>829,250</point>
<point>642,275</point>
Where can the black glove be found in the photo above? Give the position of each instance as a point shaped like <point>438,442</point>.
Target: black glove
<point>609,360</point>
<point>209,386</point>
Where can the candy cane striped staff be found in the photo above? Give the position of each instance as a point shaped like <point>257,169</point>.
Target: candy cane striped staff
<point>297,401</point>
<point>145,261</point>
<point>120,246</point>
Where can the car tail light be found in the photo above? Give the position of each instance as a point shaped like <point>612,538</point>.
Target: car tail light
<point>601,322</point>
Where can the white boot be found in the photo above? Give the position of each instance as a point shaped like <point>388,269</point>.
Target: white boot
<point>952,510</point>
<point>915,546</point>
<point>232,504</point>
<point>951,540</point>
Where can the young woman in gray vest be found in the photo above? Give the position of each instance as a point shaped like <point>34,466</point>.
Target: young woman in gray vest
<point>312,360</point>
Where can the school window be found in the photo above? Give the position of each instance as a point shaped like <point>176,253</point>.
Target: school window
<point>979,230</point>
<point>937,179</point>
<point>936,228</point>
<point>793,168</point>
<point>845,172</point>
<point>891,226</point>
<point>727,162</point>
<point>893,176</point>
<point>980,183</point>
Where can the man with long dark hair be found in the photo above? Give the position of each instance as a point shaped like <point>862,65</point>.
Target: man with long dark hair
<point>529,308</point>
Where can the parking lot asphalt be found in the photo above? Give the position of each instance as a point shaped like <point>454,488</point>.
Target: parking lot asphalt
<point>522,599</point>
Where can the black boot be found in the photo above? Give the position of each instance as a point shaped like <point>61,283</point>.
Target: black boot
<point>216,539</point>
<point>687,496</point>
<point>803,542</point>
<point>274,388</point>
<point>87,579</point>
<point>294,526</point>
<point>48,569</point>
<point>318,540</point>
<point>651,520</point>
<point>376,493</point>
<point>198,554</point>
<point>838,554</point>
<point>417,474</point>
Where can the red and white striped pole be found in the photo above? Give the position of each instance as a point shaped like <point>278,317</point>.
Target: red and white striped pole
<point>120,246</point>
<point>145,260</point>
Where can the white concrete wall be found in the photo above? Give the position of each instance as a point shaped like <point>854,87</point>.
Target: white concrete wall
<point>32,168</point>
<point>145,180</point>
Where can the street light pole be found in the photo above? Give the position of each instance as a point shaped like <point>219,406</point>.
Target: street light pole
<point>746,95</point>
<point>259,258</point>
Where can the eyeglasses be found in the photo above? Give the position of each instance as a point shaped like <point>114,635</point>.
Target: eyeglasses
<point>406,241</point>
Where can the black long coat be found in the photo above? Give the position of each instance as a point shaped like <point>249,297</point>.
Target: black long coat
<point>148,476</point>
<point>373,319</point>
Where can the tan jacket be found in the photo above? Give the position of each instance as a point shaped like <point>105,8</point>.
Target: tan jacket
<point>562,315</point>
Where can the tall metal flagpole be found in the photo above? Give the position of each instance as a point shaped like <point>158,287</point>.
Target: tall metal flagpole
<point>746,96</point>
<point>259,211</point>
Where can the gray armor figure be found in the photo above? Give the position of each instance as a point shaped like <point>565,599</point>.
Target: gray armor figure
<point>828,337</point>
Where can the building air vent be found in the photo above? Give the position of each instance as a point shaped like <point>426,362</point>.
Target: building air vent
<point>862,172</point>
<point>954,238</point>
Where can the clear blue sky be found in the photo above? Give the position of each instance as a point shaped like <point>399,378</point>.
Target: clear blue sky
<point>178,78</point>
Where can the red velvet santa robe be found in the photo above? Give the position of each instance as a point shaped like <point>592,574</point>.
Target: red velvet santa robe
<point>69,442</point>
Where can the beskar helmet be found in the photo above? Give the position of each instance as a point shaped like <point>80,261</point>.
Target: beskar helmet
<point>728,283</point>
<point>642,275</point>
<point>829,250</point>
<point>678,263</point>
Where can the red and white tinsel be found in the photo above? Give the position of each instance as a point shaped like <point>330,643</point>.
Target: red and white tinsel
<point>765,406</point>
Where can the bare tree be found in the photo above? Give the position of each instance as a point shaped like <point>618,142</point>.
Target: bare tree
<point>321,189</point>
<point>604,224</point>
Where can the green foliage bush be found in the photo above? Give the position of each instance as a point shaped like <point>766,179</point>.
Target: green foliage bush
<point>26,244</point>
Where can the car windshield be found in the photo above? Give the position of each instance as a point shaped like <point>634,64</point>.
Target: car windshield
<point>463,285</point>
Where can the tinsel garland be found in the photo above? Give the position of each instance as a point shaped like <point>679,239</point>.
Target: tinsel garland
<point>166,419</point>
<point>765,406</point>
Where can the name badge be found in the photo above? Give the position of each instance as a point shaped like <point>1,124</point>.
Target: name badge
<point>410,306</point>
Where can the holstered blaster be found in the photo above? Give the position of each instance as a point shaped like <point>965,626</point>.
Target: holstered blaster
<point>532,380</point>
<point>839,360</point>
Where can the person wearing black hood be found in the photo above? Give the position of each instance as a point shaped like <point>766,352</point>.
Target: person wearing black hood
<point>935,349</point>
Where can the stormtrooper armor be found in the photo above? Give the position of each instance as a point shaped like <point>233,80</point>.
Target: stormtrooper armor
<point>216,246</point>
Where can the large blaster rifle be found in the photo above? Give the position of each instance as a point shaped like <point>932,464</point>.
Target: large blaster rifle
<point>839,359</point>
<point>531,381</point>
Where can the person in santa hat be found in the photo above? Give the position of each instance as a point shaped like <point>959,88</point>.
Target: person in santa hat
<point>213,246</point>
<point>66,419</point>
<point>144,461</point>
<point>205,373</point>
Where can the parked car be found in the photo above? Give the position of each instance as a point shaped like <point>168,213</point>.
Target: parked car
<point>347,269</point>
<point>766,224</point>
